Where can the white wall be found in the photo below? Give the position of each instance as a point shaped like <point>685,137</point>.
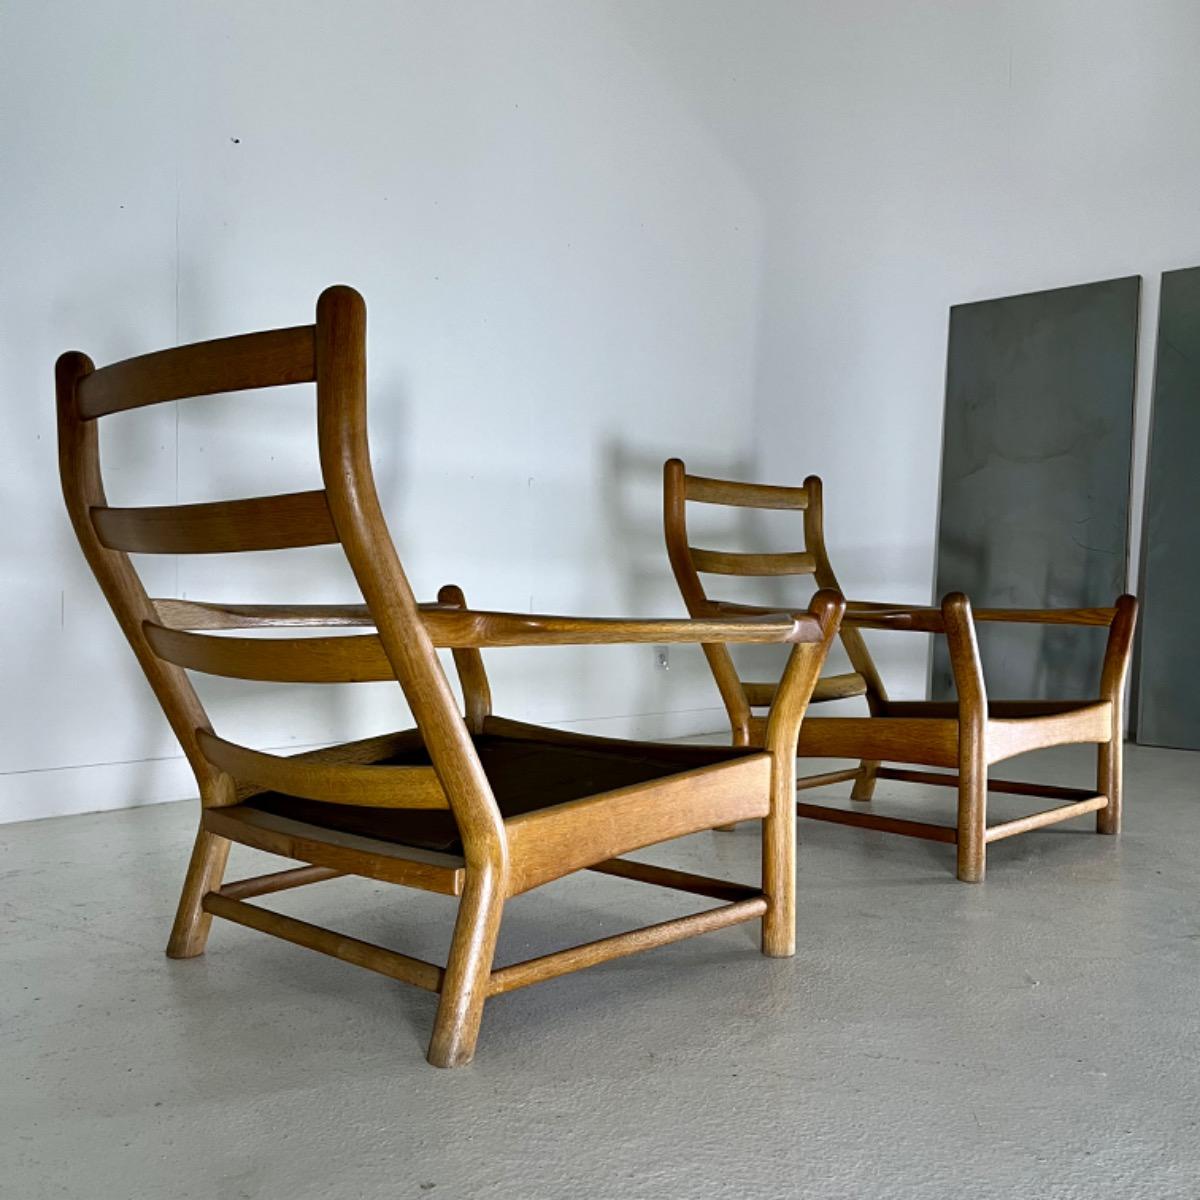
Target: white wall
<point>590,235</point>
<point>910,156</point>
<point>561,269</point>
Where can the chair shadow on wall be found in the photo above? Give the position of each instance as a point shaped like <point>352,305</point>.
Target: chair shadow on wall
<point>632,499</point>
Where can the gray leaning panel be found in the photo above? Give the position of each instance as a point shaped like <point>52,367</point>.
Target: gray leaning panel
<point>1168,697</point>
<point>1035,477</point>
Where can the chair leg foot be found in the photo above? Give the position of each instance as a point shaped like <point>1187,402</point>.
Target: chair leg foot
<point>189,934</point>
<point>864,785</point>
<point>464,986</point>
<point>971,872</point>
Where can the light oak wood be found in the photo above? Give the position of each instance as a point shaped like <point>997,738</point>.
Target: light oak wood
<point>825,778</point>
<point>278,881</point>
<point>722,562</point>
<point>363,658</point>
<point>1015,787</point>
<point>1050,816</point>
<point>995,708</point>
<point>412,866</point>
<point>903,739</point>
<point>705,490</point>
<point>686,754</point>
<point>831,687</point>
<point>468,662</point>
<point>356,658</point>
<point>969,734</point>
<point>550,966</point>
<point>450,628</point>
<point>195,614</point>
<point>467,804</point>
<point>680,881</point>
<point>223,527</point>
<point>1087,723</point>
<point>362,954</point>
<point>973,734</point>
<point>678,488</point>
<point>189,932</point>
<point>920,829</point>
<point>253,360</point>
<point>928,619</point>
<point>782,735</point>
<point>549,843</point>
<point>333,783</point>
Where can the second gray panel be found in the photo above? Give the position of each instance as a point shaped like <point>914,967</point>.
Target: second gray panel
<point>1169,682</point>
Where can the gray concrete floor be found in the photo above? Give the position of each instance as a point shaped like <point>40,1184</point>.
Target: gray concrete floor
<point>1033,1037</point>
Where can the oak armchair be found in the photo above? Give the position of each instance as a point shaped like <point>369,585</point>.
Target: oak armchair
<point>967,735</point>
<point>467,804</point>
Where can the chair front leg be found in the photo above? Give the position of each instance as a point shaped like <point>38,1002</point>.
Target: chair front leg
<point>972,737</point>
<point>779,862</point>
<point>782,736</point>
<point>189,934</point>
<point>464,985</point>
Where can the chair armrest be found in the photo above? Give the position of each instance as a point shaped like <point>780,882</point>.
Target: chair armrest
<point>454,627</point>
<point>915,618</point>
<point>928,619</point>
<point>1048,616</point>
<point>457,628</point>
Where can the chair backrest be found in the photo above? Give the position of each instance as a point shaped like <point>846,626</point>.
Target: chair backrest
<point>332,354</point>
<point>690,562</point>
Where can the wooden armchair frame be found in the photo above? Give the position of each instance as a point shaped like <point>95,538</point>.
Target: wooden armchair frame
<point>464,805</point>
<point>968,735</point>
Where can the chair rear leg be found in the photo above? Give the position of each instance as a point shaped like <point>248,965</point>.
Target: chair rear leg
<point>464,986</point>
<point>1109,778</point>
<point>972,822</point>
<point>189,934</point>
<point>864,785</point>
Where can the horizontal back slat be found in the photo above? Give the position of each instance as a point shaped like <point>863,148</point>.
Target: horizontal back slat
<point>743,495</point>
<point>336,783</point>
<point>723,562</point>
<point>252,360</point>
<point>358,658</point>
<point>262,523</point>
<point>829,687</point>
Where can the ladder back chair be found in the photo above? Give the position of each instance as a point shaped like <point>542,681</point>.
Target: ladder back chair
<point>967,735</point>
<point>467,804</point>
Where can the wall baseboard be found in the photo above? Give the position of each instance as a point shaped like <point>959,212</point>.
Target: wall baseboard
<point>103,787</point>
